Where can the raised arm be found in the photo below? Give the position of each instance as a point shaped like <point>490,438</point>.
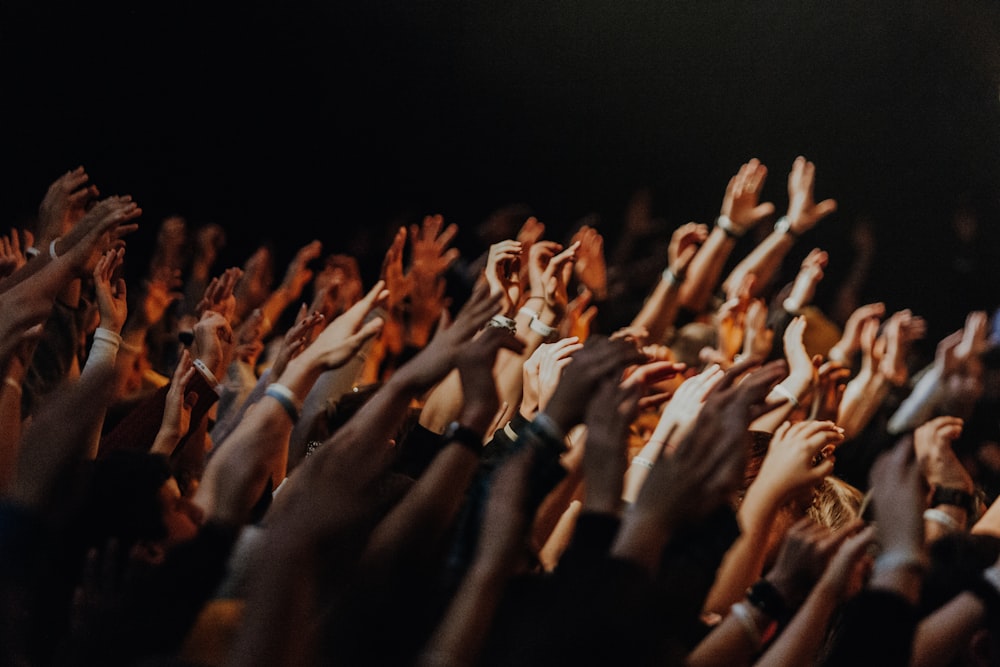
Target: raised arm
<point>660,308</point>
<point>803,213</point>
<point>740,213</point>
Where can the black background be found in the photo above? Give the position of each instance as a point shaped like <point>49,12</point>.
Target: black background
<point>293,121</point>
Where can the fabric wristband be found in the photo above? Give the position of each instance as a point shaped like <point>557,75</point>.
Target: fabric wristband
<point>286,398</point>
<point>542,329</point>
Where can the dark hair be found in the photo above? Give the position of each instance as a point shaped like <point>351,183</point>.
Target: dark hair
<point>123,499</point>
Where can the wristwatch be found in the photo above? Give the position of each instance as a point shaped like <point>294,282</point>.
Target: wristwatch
<point>784,226</point>
<point>945,495</point>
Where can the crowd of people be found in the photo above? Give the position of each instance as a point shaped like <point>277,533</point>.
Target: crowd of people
<point>526,456</point>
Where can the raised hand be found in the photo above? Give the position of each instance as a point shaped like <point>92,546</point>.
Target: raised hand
<point>591,266</point>
<point>680,414</point>
<point>343,337</point>
<point>218,296</point>
<point>475,369</point>
<point>296,339</point>
<point>298,274</point>
<point>12,256</point>
<point>437,358</point>
<point>213,341</point>
<point>741,203</point>
<point>99,229</point>
<point>65,202</point>
<point>550,360</point>
<point>809,275</point>
<point>177,408</point>
<point>900,331</point>
<point>579,316</point>
<point>600,356</point>
<point>758,338</point>
<point>429,243</point>
<point>799,456</point>
<point>803,212</point>
<point>831,381</point>
<point>684,243</point>
<point>110,291</point>
<point>557,269</point>
<point>849,344</point>
<point>501,273</point>
<point>932,444</point>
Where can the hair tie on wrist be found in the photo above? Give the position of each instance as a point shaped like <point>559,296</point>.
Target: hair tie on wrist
<point>52,248</point>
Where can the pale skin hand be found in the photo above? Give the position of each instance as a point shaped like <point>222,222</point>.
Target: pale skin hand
<point>850,340</point>
<point>803,212</point>
<point>591,266</point>
<point>742,199</point>
<point>802,377</point>
<point>177,408</point>
<point>932,442</point>
<point>111,297</point>
<point>684,243</point>
<point>501,273</point>
<point>758,339</point>
<point>809,276</point>
<point>552,360</point>
<point>789,467</point>
<point>900,332</point>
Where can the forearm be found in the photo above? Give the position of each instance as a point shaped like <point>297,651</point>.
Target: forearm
<point>800,641</point>
<point>660,310</point>
<point>989,522</point>
<point>862,398</point>
<point>462,632</point>
<point>743,563</point>
<point>705,270</point>
<point>763,262</point>
<point>103,352</point>
<point>919,405</point>
<point>942,635</point>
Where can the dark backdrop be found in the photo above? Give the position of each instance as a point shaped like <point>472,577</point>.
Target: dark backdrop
<point>291,121</point>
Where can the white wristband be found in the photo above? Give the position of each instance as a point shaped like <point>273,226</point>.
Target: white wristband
<point>670,278</point>
<point>209,376</point>
<point>725,223</point>
<point>790,306</point>
<point>52,248</point>
<point>943,518</point>
<point>532,314</point>
<point>542,329</point>
<point>784,391</point>
<point>900,560</point>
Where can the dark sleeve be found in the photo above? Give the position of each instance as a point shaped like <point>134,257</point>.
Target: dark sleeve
<point>416,451</point>
<point>877,627</point>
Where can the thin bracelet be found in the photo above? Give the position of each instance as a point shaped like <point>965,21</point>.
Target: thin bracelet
<point>52,248</point>
<point>783,390</point>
